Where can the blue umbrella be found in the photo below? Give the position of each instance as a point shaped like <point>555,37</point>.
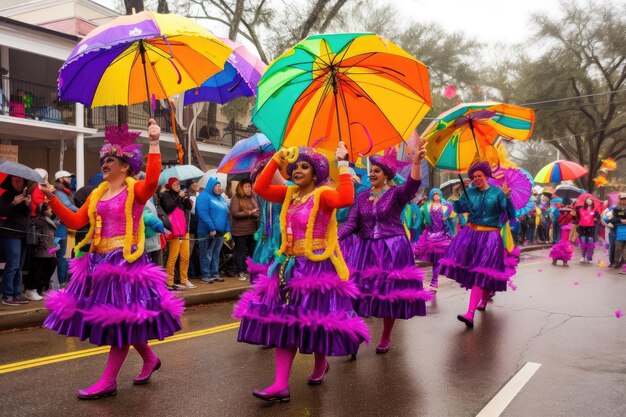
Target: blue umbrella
<point>181,172</point>
<point>245,154</point>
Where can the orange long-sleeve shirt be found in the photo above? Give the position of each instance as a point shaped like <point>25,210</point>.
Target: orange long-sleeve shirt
<point>144,190</point>
<point>343,196</point>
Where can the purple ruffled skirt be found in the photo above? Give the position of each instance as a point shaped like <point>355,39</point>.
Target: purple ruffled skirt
<point>562,251</point>
<point>389,282</point>
<point>109,301</point>
<point>313,312</point>
<point>431,246</point>
<point>477,258</point>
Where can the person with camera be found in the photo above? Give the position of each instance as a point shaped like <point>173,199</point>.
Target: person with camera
<point>175,202</point>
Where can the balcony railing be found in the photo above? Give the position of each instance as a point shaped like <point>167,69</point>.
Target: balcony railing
<point>224,134</point>
<point>137,117</point>
<point>29,100</point>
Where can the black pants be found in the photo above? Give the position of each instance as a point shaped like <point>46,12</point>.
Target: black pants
<point>244,247</point>
<point>40,272</point>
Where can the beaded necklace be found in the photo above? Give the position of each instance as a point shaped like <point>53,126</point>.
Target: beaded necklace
<point>375,196</point>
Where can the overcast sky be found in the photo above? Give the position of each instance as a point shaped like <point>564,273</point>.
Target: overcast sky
<point>488,21</point>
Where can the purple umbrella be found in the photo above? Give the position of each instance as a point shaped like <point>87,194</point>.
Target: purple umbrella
<point>239,78</point>
<point>245,154</point>
<point>520,185</point>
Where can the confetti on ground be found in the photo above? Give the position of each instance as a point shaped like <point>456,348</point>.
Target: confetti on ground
<point>576,282</point>
<point>601,264</point>
<point>618,313</point>
<point>540,270</point>
<point>599,274</point>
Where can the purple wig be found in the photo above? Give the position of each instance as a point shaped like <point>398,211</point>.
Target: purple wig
<point>481,166</point>
<point>317,161</point>
<point>119,142</point>
<point>384,164</point>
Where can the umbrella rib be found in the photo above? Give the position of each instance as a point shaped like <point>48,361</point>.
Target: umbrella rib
<point>319,105</point>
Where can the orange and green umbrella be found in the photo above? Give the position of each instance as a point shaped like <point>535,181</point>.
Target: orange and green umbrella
<point>456,136</point>
<point>561,170</point>
<point>355,87</point>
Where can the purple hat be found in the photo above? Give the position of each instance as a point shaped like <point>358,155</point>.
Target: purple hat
<point>258,167</point>
<point>388,162</point>
<point>317,160</point>
<point>482,166</point>
<point>119,142</point>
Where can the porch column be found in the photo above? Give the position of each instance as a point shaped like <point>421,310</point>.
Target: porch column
<point>80,146</point>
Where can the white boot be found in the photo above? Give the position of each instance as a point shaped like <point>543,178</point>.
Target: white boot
<point>32,295</point>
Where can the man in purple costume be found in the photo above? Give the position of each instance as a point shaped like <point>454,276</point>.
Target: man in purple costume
<point>381,261</point>
<point>475,258</point>
<point>116,296</point>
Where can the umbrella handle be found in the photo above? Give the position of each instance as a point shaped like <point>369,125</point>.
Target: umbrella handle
<point>463,186</point>
<point>142,51</point>
<point>470,122</point>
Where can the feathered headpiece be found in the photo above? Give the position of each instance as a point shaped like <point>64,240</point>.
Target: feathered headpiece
<point>317,161</point>
<point>388,162</point>
<point>119,142</point>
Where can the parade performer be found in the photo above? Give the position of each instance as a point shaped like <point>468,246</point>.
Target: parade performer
<point>564,249</point>
<point>435,239</point>
<point>382,263</point>
<point>475,258</point>
<point>588,216</point>
<point>116,296</point>
<point>304,302</point>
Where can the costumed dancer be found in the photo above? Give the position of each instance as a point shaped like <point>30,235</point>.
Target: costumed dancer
<point>564,249</point>
<point>475,258</point>
<point>116,296</point>
<point>381,260</point>
<point>435,239</point>
<point>304,302</point>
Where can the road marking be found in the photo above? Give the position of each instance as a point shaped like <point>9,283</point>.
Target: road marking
<point>503,398</point>
<point>47,360</point>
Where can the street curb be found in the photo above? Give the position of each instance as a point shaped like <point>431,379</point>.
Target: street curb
<point>10,320</point>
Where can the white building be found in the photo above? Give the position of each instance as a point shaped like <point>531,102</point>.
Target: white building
<point>35,38</point>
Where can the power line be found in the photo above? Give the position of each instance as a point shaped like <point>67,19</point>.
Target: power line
<point>573,97</point>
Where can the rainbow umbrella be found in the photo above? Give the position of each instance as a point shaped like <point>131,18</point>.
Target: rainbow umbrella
<point>561,170</point>
<point>456,136</point>
<point>239,78</point>
<point>135,57</point>
<point>245,154</point>
<point>355,87</point>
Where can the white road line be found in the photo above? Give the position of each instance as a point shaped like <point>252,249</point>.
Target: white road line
<point>503,398</point>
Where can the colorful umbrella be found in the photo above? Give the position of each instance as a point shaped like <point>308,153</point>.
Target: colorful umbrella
<point>520,185</point>
<point>181,172</point>
<point>133,57</point>
<point>355,87</point>
<point>568,192</point>
<point>561,170</point>
<point>455,137</point>
<point>245,154</point>
<point>239,78</point>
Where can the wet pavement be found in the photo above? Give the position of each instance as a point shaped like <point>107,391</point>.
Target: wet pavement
<point>561,318</point>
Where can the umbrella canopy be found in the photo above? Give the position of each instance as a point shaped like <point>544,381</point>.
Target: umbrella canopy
<point>520,185</point>
<point>19,170</point>
<point>132,57</point>
<point>355,87</point>
<point>560,170</point>
<point>455,137</point>
<point>568,192</point>
<point>245,154</point>
<point>239,78</point>
<point>446,187</point>
<point>181,172</point>
<point>580,201</point>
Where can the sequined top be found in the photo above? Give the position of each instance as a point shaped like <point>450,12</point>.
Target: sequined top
<point>485,208</point>
<point>298,218</point>
<point>380,219</point>
<point>437,221</point>
<point>113,217</point>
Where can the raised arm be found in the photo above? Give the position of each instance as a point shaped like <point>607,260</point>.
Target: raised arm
<point>343,196</point>
<point>145,189</point>
<point>263,185</point>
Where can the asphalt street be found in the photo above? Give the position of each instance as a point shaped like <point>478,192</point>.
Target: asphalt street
<point>561,318</point>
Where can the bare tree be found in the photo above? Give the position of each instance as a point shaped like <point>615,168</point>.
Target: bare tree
<point>137,5</point>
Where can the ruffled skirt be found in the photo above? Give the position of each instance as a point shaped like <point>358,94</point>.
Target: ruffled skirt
<point>562,251</point>
<point>431,246</point>
<point>111,302</point>
<point>312,312</point>
<point>478,258</point>
<point>389,282</point>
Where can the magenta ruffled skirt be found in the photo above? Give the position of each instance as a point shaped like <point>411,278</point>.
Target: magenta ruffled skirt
<point>389,282</point>
<point>313,312</point>
<point>478,258</point>
<point>562,251</point>
<point>431,246</point>
<point>111,302</point>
